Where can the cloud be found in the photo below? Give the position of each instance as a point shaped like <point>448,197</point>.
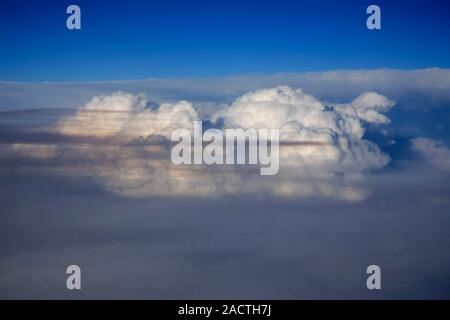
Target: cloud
<point>29,150</point>
<point>369,107</point>
<point>48,222</point>
<point>434,152</point>
<point>329,137</point>
<point>160,248</point>
<point>322,153</point>
<point>127,116</point>
<point>412,89</point>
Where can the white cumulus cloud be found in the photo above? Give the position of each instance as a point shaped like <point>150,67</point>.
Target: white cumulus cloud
<point>127,116</point>
<point>329,137</point>
<point>323,152</point>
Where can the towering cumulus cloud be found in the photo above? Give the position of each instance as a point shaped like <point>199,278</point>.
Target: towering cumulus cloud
<point>325,137</point>
<point>322,147</point>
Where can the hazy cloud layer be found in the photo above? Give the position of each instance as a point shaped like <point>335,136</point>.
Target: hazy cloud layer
<point>415,89</point>
<point>94,186</point>
<point>234,247</point>
<point>325,154</point>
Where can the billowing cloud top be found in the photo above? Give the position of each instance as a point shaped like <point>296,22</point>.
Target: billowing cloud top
<point>127,116</point>
<point>331,136</point>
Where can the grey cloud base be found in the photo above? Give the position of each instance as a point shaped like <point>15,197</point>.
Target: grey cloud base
<point>236,247</point>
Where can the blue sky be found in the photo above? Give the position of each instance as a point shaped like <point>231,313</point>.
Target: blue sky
<point>123,40</point>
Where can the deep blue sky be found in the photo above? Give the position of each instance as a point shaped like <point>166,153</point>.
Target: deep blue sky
<point>143,39</point>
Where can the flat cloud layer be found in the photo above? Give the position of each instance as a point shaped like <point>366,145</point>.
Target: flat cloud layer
<point>322,153</point>
<point>411,89</point>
